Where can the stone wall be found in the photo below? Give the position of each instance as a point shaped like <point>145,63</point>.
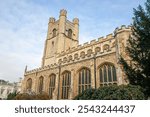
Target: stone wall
<point>105,50</point>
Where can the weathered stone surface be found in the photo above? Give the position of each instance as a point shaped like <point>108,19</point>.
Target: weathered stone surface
<point>62,53</point>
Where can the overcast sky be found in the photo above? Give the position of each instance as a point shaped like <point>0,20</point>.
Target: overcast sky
<point>23,27</point>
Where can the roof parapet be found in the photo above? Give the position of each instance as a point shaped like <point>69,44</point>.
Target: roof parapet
<point>109,36</point>
<point>122,28</point>
<point>79,46</point>
<point>85,44</point>
<point>101,38</point>
<point>93,41</point>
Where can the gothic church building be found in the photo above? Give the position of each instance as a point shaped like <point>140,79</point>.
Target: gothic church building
<point>69,68</point>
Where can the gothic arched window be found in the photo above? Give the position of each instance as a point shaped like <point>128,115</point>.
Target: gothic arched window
<point>107,74</point>
<point>66,82</point>
<point>54,32</point>
<point>41,84</point>
<point>84,80</point>
<point>52,85</point>
<point>29,84</point>
<point>70,33</point>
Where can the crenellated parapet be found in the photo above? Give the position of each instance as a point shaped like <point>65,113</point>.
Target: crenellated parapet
<point>48,67</point>
<point>95,42</point>
<point>88,50</point>
<point>95,47</point>
<point>122,28</point>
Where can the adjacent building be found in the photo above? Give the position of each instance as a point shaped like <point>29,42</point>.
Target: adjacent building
<point>6,88</point>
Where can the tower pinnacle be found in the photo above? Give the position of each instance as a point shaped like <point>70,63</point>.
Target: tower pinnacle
<point>63,12</point>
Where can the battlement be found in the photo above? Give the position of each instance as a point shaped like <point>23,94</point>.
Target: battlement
<point>88,44</point>
<point>41,69</point>
<point>122,28</point>
<point>104,42</point>
<point>100,40</point>
<point>109,36</point>
<point>93,41</point>
<point>87,50</point>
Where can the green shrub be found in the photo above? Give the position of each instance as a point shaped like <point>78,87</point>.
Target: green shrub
<point>11,96</point>
<point>86,95</point>
<point>113,92</point>
<point>26,96</point>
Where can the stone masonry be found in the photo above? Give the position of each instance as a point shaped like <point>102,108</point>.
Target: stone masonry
<point>62,53</point>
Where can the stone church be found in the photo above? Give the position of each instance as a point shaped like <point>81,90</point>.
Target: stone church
<point>69,68</point>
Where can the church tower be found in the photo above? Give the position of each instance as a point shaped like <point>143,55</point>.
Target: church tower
<point>61,36</point>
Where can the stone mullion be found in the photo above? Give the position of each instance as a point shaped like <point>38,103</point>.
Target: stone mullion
<point>103,75</point>
<point>112,76</point>
<point>55,92</point>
